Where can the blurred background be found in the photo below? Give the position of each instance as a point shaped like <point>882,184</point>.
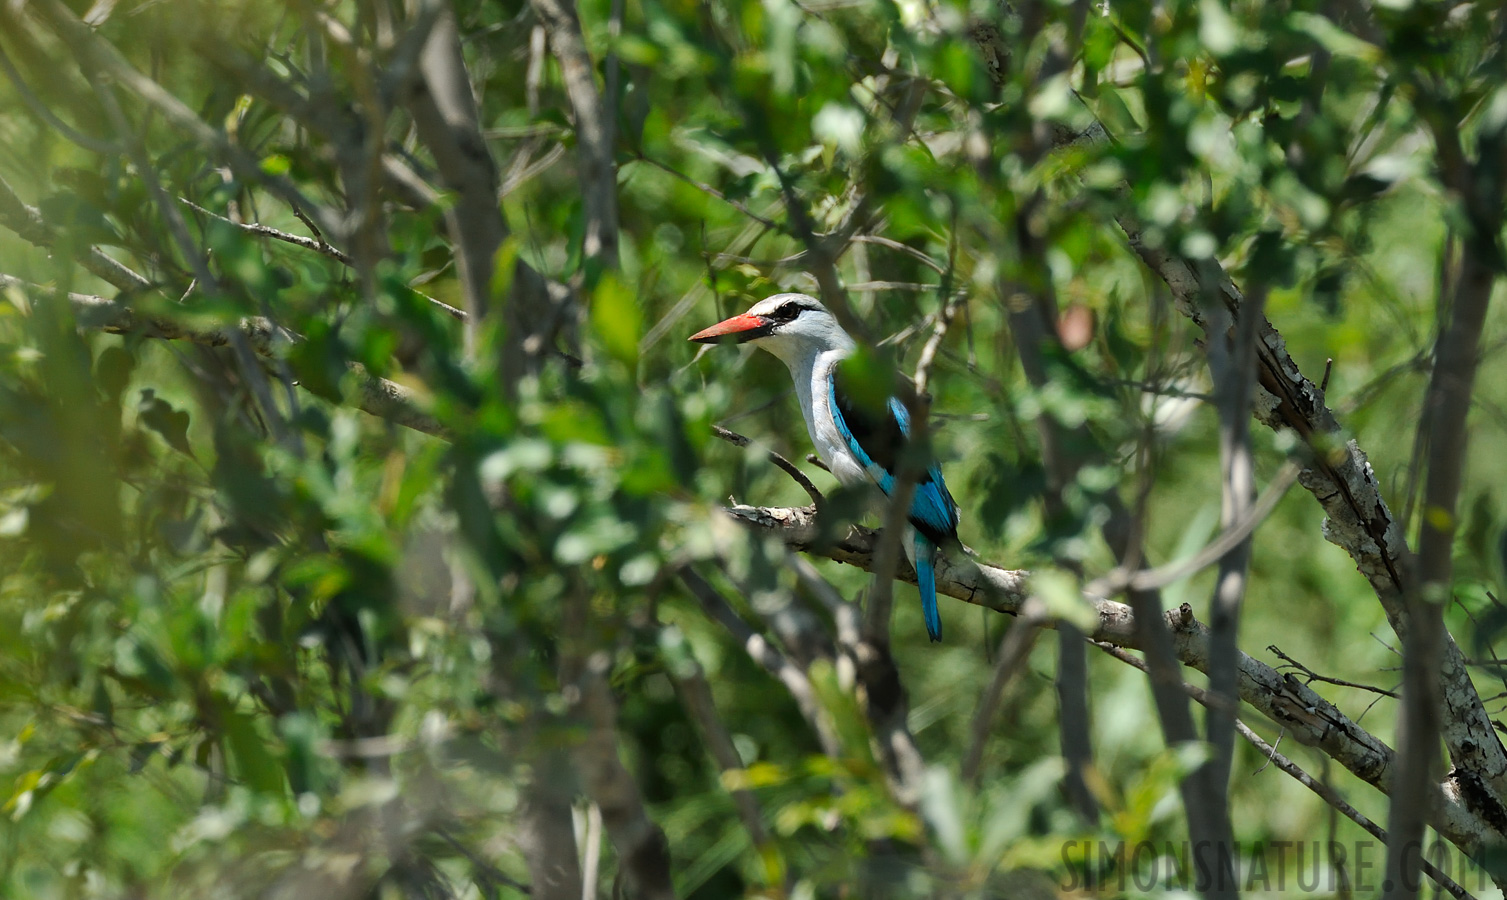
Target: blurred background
<point>309,587</point>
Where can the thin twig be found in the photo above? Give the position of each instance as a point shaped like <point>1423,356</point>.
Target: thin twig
<point>710,192</point>
<point>1313,676</point>
<point>1014,650</point>
<point>1326,793</point>
<point>318,245</point>
<point>790,468</point>
<point>1152,579</point>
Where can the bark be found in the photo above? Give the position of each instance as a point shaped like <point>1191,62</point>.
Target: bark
<point>1460,809</point>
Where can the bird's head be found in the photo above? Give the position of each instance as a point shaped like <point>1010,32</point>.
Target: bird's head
<point>788,325</point>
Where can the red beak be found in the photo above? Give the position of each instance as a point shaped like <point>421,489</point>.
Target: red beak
<point>741,328</point>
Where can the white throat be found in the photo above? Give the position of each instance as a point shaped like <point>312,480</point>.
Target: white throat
<point>811,363</point>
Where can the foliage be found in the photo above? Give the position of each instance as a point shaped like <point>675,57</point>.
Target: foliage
<point>257,642</point>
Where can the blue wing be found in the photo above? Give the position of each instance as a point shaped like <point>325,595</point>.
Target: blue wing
<point>877,438</point>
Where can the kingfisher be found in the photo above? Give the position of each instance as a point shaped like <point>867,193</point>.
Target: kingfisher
<point>860,444</point>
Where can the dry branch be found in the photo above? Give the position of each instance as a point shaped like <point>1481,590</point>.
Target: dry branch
<point>1288,702</point>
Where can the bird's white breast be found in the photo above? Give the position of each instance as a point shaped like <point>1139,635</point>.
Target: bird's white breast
<point>813,388</point>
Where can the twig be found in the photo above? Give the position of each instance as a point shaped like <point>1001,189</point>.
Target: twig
<point>1286,701</point>
<point>1014,650</point>
<point>765,654</point>
<point>92,49</point>
<point>35,104</point>
<point>27,221</point>
<point>595,116</point>
<point>1313,676</point>
<point>1151,579</point>
<point>817,461</point>
<point>872,287</point>
<point>907,249</point>
<point>446,119</point>
<point>318,245</point>
<point>790,468</point>
<point>713,192</point>
<point>380,397</point>
<point>1326,793</point>
<point>484,869</point>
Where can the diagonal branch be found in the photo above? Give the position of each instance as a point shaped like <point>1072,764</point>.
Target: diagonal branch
<point>1456,358</point>
<point>765,654</point>
<point>1324,791</point>
<point>98,53</point>
<point>1313,720</point>
<point>27,221</point>
<point>1339,476</point>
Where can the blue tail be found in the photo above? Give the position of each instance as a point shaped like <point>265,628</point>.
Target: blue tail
<point>926,580</point>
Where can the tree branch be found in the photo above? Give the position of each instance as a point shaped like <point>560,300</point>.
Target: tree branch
<point>1233,367</point>
<point>27,222</point>
<point>1447,404</point>
<point>595,116</point>
<point>643,852</point>
<point>1324,791</point>
<point>1288,702</point>
<point>766,655</point>
<point>444,113</point>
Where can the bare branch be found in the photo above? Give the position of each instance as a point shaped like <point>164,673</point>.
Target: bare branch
<point>317,244</point>
<point>38,108</point>
<point>444,113</point>
<point>1013,652</point>
<point>713,192</point>
<point>790,468</point>
<point>27,222</point>
<point>1150,579</point>
<point>643,852</point>
<point>1286,701</point>
<point>1074,722</point>
<point>96,52</point>
<point>696,696</point>
<point>1339,476</point>
<point>547,833</point>
<point>765,654</point>
<point>1310,676</point>
<point>1456,357</point>
<point>1325,792</point>
<point>1233,369</point>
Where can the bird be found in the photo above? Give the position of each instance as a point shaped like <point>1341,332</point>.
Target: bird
<point>859,443</point>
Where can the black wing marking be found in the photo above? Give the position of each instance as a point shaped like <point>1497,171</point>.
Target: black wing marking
<point>875,431</point>
<point>877,437</point>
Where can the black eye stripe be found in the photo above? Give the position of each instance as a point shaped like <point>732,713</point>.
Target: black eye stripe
<point>788,312</point>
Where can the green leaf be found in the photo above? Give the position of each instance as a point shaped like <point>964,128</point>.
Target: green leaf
<point>254,762</point>
<point>616,319</point>
<point>159,415</point>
